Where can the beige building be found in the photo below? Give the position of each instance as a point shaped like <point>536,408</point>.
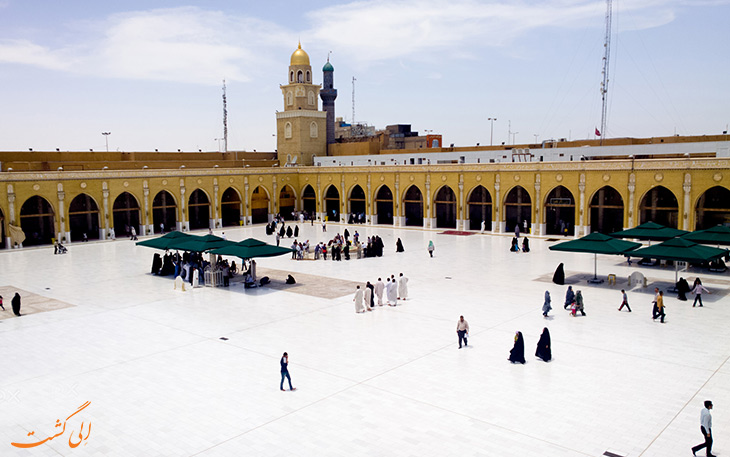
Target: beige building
<point>66,195</point>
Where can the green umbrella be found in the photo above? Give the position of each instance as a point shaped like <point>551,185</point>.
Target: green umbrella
<point>680,249</point>
<point>201,243</point>
<point>596,243</point>
<point>250,248</point>
<point>650,231</point>
<point>718,234</point>
<point>167,241</point>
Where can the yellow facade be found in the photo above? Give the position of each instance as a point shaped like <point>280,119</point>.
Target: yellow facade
<point>675,190</point>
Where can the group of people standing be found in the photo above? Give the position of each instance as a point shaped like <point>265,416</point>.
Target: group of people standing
<point>393,289</point>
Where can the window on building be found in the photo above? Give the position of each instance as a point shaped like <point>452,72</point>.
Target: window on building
<point>300,76</point>
<point>289,98</point>
<point>309,78</point>
<point>313,130</point>
<point>291,76</point>
<point>311,98</point>
<point>287,130</point>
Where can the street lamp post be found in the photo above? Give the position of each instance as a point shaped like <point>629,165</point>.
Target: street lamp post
<point>491,130</point>
<point>106,138</point>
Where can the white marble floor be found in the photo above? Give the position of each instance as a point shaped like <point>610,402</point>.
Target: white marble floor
<point>161,382</point>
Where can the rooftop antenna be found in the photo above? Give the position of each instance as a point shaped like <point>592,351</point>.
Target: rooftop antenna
<point>606,57</point>
<point>225,119</point>
<point>353,100</point>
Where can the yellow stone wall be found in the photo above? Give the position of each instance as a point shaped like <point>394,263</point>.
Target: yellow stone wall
<point>686,179</point>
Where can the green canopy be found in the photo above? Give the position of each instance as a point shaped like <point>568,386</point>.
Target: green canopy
<point>201,243</point>
<point>650,231</point>
<point>596,243</point>
<point>680,249</point>
<point>718,234</point>
<point>166,241</point>
<point>250,248</point>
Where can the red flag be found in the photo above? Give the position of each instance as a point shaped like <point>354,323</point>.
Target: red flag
<point>597,132</point>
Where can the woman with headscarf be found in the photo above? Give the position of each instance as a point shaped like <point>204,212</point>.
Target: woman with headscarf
<point>569,297</point>
<point>559,276</point>
<point>546,305</point>
<point>579,304</point>
<point>543,346</point>
<point>682,289</point>
<point>16,304</point>
<point>430,248</point>
<point>525,245</point>
<point>514,247</point>
<point>399,246</point>
<point>517,354</point>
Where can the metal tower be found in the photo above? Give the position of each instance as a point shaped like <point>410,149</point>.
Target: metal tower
<point>606,58</point>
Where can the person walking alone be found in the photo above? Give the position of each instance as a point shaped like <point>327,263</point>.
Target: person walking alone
<point>697,290</point>
<point>624,301</point>
<point>706,428</point>
<point>660,307</point>
<point>462,329</point>
<point>284,362</point>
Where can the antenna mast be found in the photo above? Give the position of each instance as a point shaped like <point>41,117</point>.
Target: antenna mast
<point>353,100</point>
<point>606,57</point>
<point>225,119</point>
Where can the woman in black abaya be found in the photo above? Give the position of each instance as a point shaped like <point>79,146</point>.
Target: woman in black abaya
<point>517,354</point>
<point>399,246</point>
<point>559,276</point>
<point>543,346</point>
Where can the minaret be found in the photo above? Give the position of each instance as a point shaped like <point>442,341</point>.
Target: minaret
<point>301,127</point>
<point>328,95</point>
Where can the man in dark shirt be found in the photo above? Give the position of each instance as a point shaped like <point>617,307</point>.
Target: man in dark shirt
<point>284,362</point>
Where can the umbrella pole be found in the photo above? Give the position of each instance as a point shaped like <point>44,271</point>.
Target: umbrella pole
<point>595,279</point>
<point>674,289</point>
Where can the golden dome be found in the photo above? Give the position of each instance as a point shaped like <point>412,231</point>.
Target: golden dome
<point>299,57</point>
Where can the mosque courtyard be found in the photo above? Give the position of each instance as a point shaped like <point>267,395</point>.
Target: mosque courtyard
<point>196,373</point>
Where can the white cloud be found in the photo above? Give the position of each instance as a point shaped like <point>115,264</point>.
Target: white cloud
<point>28,53</point>
<point>181,44</point>
<point>387,29</point>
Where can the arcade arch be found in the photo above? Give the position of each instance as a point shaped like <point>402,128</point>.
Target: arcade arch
<point>607,211</point>
<point>259,205</point>
<point>713,208</point>
<point>559,212</point>
<point>413,207</point>
<point>332,203</point>
<point>164,211</point>
<point>445,202</point>
<point>231,208</point>
<point>659,205</point>
<point>480,208</point>
<point>287,203</point>
<point>198,210</point>
<point>309,200</point>
<point>384,205</point>
<point>126,214</point>
<point>37,221</point>
<point>517,209</point>
<point>358,203</point>
<point>83,217</point>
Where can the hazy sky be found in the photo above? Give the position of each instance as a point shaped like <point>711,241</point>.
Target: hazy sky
<point>150,72</point>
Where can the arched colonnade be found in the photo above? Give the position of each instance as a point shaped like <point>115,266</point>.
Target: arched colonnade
<point>567,204</point>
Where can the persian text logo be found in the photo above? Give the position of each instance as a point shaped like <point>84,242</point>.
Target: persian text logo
<point>71,439</point>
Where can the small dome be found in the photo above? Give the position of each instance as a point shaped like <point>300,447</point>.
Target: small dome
<point>328,67</point>
<point>299,57</point>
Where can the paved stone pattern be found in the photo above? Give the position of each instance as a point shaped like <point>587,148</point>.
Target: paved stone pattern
<point>30,303</point>
<point>161,382</point>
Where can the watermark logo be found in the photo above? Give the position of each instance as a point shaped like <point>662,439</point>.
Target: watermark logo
<point>72,439</point>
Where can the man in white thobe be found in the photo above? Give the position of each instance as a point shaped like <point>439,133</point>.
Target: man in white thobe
<point>379,287</point>
<point>392,291</point>
<point>368,298</point>
<point>359,308</point>
<point>402,287</point>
